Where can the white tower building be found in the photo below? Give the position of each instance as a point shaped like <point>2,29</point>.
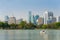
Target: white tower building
<point>48,16</point>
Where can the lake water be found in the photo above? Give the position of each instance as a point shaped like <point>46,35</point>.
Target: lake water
<point>29,35</point>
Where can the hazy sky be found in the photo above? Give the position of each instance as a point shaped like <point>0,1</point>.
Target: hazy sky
<point>20,8</point>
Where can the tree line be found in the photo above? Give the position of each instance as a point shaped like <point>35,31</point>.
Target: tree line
<point>25,25</point>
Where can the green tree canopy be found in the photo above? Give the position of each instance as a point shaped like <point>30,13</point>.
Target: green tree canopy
<point>13,26</point>
<point>22,24</point>
<point>44,26</point>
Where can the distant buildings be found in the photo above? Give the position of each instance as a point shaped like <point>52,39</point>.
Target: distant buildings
<point>54,20</point>
<point>12,20</point>
<point>30,16</point>
<point>18,21</point>
<point>48,17</point>
<point>32,19</point>
<point>36,18</point>
<point>40,20</point>
<point>58,19</point>
<point>6,19</point>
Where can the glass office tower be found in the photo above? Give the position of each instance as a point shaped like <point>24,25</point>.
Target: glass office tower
<point>30,16</point>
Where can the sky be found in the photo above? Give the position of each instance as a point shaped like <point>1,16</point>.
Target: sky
<point>21,8</point>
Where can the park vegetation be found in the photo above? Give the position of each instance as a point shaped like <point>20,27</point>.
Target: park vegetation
<point>25,25</point>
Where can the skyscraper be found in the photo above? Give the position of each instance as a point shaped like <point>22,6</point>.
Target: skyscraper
<point>36,18</point>
<point>54,19</point>
<point>58,18</point>
<point>6,19</point>
<point>30,16</point>
<point>33,19</point>
<point>48,17</point>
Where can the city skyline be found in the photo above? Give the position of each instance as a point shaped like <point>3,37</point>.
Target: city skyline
<point>28,16</point>
<point>20,8</point>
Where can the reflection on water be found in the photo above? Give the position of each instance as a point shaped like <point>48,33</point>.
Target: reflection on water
<point>44,34</point>
<point>29,35</point>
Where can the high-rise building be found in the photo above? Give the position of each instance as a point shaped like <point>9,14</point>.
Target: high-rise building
<point>48,17</point>
<point>54,20</point>
<point>30,16</point>
<point>36,18</point>
<point>40,20</point>
<point>58,18</point>
<point>6,19</point>
<point>12,20</point>
<point>33,19</point>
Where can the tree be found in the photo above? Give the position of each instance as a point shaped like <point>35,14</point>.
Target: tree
<point>51,26</point>
<point>39,26</point>
<point>44,26</point>
<point>30,26</point>
<point>22,25</point>
<point>6,26</point>
<point>13,26</point>
<point>1,24</point>
<point>57,24</point>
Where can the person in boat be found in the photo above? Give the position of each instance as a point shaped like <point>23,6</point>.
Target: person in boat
<point>44,34</point>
